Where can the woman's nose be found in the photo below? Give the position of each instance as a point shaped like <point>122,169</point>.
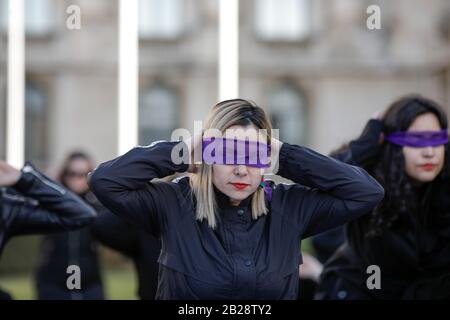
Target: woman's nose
<point>240,170</point>
<point>428,152</point>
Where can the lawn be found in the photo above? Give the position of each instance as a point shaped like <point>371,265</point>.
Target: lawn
<point>120,284</point>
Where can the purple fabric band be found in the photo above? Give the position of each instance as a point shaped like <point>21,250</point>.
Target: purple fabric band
<point>235,152</point>
<point>418,139</point>
<point>268,191</point>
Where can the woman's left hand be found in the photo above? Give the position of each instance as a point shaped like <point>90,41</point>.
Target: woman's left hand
<point>311,268</point>
<point>274,158</point>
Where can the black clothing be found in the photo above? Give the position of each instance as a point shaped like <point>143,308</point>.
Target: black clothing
<point>62,249</point>
<point>35,204</point>
<point>242,258</point>
<point>358,153</point>
<point>413,254</point>
<point>326,243</point>
<point>135,243</point>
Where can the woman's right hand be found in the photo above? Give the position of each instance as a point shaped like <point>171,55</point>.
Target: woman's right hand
<point>9,175</point>
<point>379,115</point>
<point>368,145</point>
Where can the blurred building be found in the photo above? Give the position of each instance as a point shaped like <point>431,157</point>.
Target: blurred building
<point>313,65</point>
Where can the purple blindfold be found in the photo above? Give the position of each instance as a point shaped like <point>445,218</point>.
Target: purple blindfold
<point>418,139</point>
<point>234,152</point>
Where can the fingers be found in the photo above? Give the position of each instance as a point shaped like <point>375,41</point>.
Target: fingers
<point>377,115</point>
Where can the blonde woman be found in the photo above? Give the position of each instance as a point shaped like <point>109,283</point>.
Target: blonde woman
<point>225,232</point>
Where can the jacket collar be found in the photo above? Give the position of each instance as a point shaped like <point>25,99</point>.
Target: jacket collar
<point>241,213</point>
<point>224,201</point>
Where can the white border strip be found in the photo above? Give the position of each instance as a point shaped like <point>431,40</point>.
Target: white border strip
<point>228,49</point>
<point>15,123</point>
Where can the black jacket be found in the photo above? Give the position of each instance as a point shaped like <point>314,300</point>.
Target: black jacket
<point>413,256</point>
<point>362,151</point>
<point>135,243</point>
<point>35,204</point>
<point>62,249</point>
<point>242,258</point>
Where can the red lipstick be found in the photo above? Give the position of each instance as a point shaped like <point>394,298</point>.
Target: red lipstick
<point>240,186</point>
<point>428,166</point>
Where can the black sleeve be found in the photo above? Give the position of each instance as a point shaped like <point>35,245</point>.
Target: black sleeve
<point>364,149</point>
<point>326,243</point>
<point>43,206</point>
<point>328,193</point>
<point>115,233</point>
<point>123,186</point>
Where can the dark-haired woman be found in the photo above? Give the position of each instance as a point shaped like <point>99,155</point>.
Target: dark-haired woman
<point>30,203</point>
<point>77,247</point>
<point>402,249</point>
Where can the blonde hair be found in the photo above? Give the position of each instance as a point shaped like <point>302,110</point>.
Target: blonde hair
<point>221,117</point>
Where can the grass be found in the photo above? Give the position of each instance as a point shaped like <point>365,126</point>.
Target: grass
<point>119,284</point>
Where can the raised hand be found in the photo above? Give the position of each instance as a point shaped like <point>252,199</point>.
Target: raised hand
<point>311,268</point>
<point>274,157</point>
<point>8,175</point>
<point>379,115</point>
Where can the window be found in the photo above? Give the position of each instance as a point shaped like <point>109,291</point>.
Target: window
<point>39,16</point>
<point>160,19</point>
<point>35,124</point>
<point>287,110</point>
<point>158,114</point>
<point>283,20</point>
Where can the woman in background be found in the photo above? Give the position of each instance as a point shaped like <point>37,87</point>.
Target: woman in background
<point>60,250</point>
<point>408,235</point>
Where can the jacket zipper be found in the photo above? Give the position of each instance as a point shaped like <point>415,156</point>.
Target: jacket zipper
<point>54,186</point>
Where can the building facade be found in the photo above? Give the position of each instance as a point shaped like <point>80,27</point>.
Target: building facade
<point>313,65</point>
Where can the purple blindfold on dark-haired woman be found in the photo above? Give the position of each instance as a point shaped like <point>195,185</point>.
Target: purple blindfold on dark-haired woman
<point>418,139</point>
<point>235,152</point>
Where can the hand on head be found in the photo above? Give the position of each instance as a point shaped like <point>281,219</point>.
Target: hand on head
<point>8,175</point>
<point>274,158</point>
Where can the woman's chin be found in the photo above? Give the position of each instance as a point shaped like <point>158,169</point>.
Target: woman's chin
<point>425,177</point>
<point>239,195</point>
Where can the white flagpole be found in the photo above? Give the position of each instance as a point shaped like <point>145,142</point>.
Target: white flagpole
<point>128,75</point>
<point>228,49</point>
<point>15,124</point>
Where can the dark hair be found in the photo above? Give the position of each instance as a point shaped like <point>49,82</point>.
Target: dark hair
<point>401,198</point>
<point>75,155</point>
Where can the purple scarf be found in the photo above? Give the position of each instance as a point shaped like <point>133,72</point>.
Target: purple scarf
<point>418,139</point>
<point>235,152</point>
